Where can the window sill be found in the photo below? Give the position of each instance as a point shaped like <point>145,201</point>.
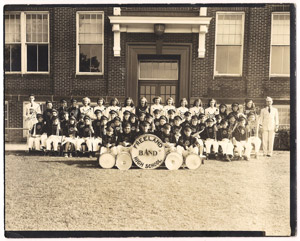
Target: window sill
<point>90,74</point>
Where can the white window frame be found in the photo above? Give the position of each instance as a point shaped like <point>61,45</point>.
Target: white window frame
<point>270,74</point>
<point>24,43</point>
<point>77,43</point>
<point>242,45</point>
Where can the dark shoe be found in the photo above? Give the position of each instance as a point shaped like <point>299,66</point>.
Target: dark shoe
<point>227,158</point>
<point>246,158</point>
<point>268,155</point>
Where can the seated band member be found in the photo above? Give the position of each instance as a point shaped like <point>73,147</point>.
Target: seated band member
<point>109,142</point>
<point>86,109</point>
<point>197,108</point>
<point>55,136</point>
<point>240,139</point>
<point>253,126</point>
<point>157,105</point>
<point>70,139</point>
<point>38,135</point>
<point>100,106</point>
<point>125,139</point>
<point>187,144</point>
<point>97,131</point>
<point>168,138</point>
<point>224,141</point>
<point>113,105</point>
<point>169,106</point>
<point>211,138</point>
<point>86,133</point>
<point>128,105</point>
<point>182,108</point>
<point>211,111</point>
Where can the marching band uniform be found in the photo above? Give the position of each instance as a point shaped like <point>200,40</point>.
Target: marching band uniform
<point>253,133</point>
<point>74,110</point>
<point>240,139</point>
<point>224,141</point>
<point>97,131</point>
<point>210,137</point>
<point>37,131</point>
<point>62,109</point>
<point>71,136</point>
<point>187,144</point>
<point>86,133</point>
<point>125,140</point>
<point>109,142</point>
<point>168,138</point>
<point>55,135</point>
<point>31,110</point>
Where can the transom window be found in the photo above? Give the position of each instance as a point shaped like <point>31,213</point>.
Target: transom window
<point>27,51</point>
<point>90,42</point>
<point>158,70</point>
<point>229,43</point>
<point>280,45</point>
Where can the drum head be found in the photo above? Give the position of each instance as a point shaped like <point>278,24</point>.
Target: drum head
<point>193,161</point>
<point>124,161</point>
<point>173,161</point>
<point>107,160</point>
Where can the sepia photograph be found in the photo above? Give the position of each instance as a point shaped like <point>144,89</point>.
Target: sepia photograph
<point>149,120</point>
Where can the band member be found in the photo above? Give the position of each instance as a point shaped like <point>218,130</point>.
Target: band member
<point>109,142</point>
<point>86,134</point>
<point>171,115</point>
<point>62,109</point>
<point>125,139</point>
<point>113,105</point>
<point>235,110</point>
<point>168,138</point>
<point>253,126</point>
<point>142,116</point>
<point>202,125</point>
<point>157,105</point>
<point>187,144</point>
<point>196,132</point>
<point>197,108</point>
<point>97,131</point>
<point>211,138</point>
<point>49,123</point>
<point>218,120</point>
<point>232,124</point>
<point>156,114</point>
<point>211,111</point>
<point>224,141</point>
<point>162,122</point>
<point>31,110</point>
<point>176,130</point>
<point>47,115</point>
<point>249,106</point>
<point>80,124</point>
<point>86,109</point>
<point>100,106</point>
<point>128,105</point>
<point>223,111</point>
<point>64,123</point>
<point>177,123</point>
<point>36,133</point>
<point>104,121</point>
<point>142,106</point>
<point>126,117</point>
<point>149,118</point>
<point>182,108</point>
<point>74,110</point>
<point>145,127</point>
<point>70,139</point>
<point>269,123</point>
<point>169,106</point>
<point>134,124</point>
<point>55,136</point>
<point>117,126</point>
<point>112,115</point>
<point>240,139</point>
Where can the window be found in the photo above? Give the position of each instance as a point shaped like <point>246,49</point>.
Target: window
<point>284,116</point>
<point>27,42</point>
<point>158,70</point>
<point>280,45</point>
<point>229,43</point>
<point>90,43</point>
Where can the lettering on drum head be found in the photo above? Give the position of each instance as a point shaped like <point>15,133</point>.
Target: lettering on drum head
<point>148,152</point>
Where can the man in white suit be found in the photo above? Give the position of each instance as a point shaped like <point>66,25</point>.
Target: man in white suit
<point>269,123</point>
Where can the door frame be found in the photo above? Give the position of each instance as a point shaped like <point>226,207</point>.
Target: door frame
<point>133,50</point>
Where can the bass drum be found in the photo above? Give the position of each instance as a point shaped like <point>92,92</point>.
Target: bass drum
<point>193,161</point>
<point>173,161</point>
<point>107,160</point>
<point>124,161</point>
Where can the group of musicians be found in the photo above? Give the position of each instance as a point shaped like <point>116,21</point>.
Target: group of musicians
<point>211,132</point>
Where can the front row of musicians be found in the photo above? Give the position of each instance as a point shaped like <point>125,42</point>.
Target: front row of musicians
<point>213,138</point>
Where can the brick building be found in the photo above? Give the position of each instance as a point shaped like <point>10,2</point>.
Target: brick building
<point>209,51</point>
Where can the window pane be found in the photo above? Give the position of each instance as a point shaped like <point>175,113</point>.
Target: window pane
<point>90,58</point>
<point>280,60</point>
<point>37,28</point>
<point>286,60</point>
<point>164,70</point>
<point>13,57</point>
<point>32,58</point>
<point>281,29</point>
<point>43,58</point>
<point>12,28</point>
<point>228,59</point>
<point>90,28</point>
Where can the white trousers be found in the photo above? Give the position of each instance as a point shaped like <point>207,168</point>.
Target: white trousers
<point>53,139</point>
<point>34,141</point>
<point>112,150</point>
<point>87,140</point>
<point>256,142</point>
<point>244,146</point>
<point>190,150</point>
<point>95,143</point>
<point>227,146</point>
<point>268,142</point>
<point>209,143</point>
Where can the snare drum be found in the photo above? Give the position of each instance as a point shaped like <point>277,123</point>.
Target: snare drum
<point>107,160</point>
<point>193,161</point>
<point>124,161</point>
<point>173,161</point>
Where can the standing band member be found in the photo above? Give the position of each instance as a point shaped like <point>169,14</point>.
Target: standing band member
<point>269,123</point>
<point>253,127</point>
<point>31,110</point>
